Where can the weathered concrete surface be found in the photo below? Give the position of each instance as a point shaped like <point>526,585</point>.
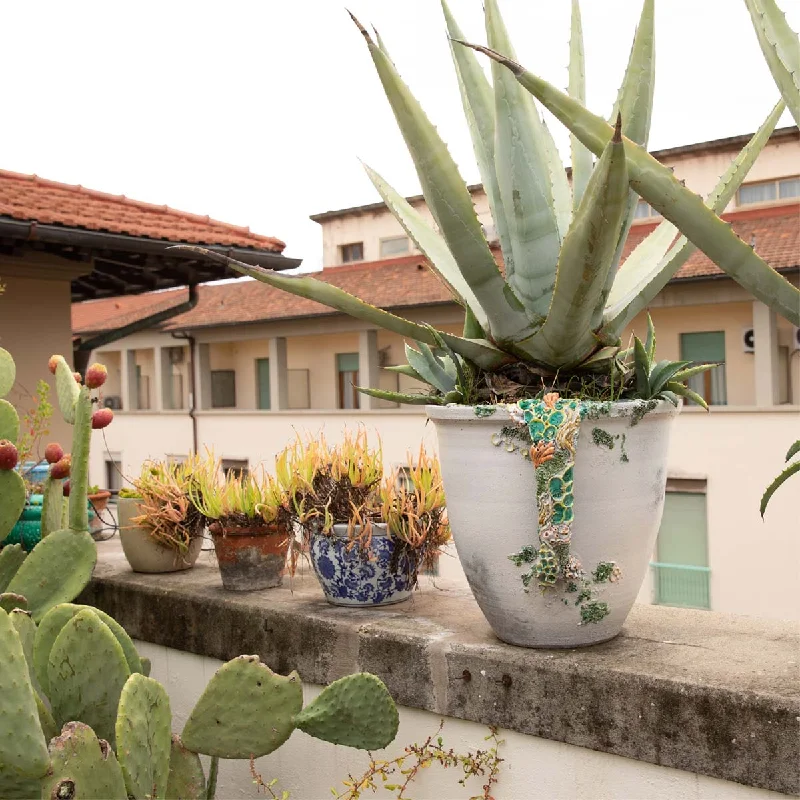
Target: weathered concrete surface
<point>698,691</point>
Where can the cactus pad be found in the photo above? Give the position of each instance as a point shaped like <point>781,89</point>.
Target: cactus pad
<point>52,501</point>
<point>186,778</point>
<point>12,500</point>
<point>356,711</point>
<point>49,727</point>
<point>67,389</point>
<point>246,710</point>
<point>8,372</point>
<point>9,601</point>
<point>86,672</point>
<point>9,421</point>
<point>52,623</point>
<point>14,787</point>
<point>146,665</point>
<point>144,737</point>
<point>22,745</point>
<point>26,630</point>
<point>56,571</point>
<point>11,557</point>
<point>79,757</point>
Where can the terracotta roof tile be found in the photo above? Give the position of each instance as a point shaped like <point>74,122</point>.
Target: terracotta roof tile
<point>397,283</point>
<point>28,197</point>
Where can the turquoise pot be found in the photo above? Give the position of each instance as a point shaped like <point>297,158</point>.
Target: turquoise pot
<point>28,530</point>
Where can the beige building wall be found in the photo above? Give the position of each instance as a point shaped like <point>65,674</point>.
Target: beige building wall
<point>34,325</point>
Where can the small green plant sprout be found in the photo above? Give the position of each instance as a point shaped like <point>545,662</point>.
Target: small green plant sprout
<point>792,467</point>
<point>557,312</point>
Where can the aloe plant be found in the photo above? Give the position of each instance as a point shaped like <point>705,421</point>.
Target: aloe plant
<point>557,312</point>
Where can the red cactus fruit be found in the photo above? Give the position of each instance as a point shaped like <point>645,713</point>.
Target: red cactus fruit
<point>77,377</point>
<point>8,454</point>
<point>102,418</point>
<point>61,468</point>
<point>65,488</point>
<point>53,452</point>
<point>96,376</point>
<point>52,363</point>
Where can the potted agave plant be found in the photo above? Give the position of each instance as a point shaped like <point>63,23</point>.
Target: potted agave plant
<point>250,524</point>
<point>555,544</point>
<point>160,527</point>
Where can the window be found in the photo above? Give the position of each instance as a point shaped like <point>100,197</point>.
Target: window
<point>299,390</point>
<point>235,468</point>
<point>113,472</point>
<point>173,378</point>
<point>352,252</point>
<point>223,388</point>
<point>681,572</point>
<point>644,210</point>
<point>262,384</point>
<point>142,390</point>
<point>347,368</point>
<point>768,191</point>
<point>394,247</point>
<point>708,346</point>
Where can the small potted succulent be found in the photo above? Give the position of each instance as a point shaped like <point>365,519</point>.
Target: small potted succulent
<point>160,527</point>
<point>250,524</point>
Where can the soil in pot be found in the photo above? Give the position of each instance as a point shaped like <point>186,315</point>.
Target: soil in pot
<point>143,553</point>
<point>352,575</point>
<point>251,555</point>
<point>555,506</point>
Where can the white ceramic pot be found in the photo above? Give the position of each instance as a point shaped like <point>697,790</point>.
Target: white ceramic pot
<point>619,477</point>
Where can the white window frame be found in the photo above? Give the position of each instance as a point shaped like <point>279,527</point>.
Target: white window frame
<point>383,241</point>
<point>776,182</point>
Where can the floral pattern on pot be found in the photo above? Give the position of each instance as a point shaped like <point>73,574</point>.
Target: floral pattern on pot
<point>553,425</point>
<point>353,576</point>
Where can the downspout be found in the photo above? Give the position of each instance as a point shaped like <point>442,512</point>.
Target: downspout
<point>83,350</point>
<point>192,393</point>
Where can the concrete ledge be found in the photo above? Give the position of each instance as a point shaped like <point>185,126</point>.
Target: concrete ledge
<point>702,692</point>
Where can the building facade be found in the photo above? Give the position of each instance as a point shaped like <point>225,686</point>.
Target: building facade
<point>249,367</point>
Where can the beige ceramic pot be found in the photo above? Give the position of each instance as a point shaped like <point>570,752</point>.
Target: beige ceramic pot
<point>555,552</point>
<point>143,553</point>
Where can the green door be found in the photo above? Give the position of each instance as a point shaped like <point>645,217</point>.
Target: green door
<point>681,571</point>
<point>262,383</point>
<point>707,346</point>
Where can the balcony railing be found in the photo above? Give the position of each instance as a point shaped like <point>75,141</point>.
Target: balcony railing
<point>681,585</point>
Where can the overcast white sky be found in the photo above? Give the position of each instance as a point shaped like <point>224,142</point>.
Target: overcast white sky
<point>256,112</point>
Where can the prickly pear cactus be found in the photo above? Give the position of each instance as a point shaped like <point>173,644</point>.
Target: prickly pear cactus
<point>51,625</point>
<point>56,571</point>
<point>22,745</point>
<point>144,737</point>
<point>186,778</point>
<point>8,372</point>
<point>11,558</point>
<point>245,710</point>
<point>67,389</point>
<point>356,711</point>
<point>86,672</point>
<point>9,421</point>
<point>12,487</point>
<point>9,601</point>
<point>52,505</point>
<point>83,767</point>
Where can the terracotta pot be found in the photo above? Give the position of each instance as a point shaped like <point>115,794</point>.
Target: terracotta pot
<point>250,557</point>
<point>100,500</point>
<point>555,554</point>
<point>144,554</point>
<point>351,576</point>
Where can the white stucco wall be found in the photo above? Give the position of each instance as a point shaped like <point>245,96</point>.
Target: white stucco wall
<point>532,768</point>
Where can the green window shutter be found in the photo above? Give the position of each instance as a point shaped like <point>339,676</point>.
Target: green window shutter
<point>681,573</point>
<point>347,362</point>
<point>262,383</point>
<point>707,346</point>
<point>223,388</point>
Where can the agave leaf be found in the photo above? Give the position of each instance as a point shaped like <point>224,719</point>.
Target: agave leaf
<point>430,243</point>
<point>472,328</point>
<point>684,391</point>
<point>566,338</point>
<point>524,178</point>
<point>635,103</point>
<point>671,396</point>
<point>647,269</point>
<point>776,484</point>
<point>662,373</point>
<point>793,450</point>
<point>562,196</point>
<point>399,397</point>
<point>581,157</point>
<point>479,351</point>
<point>407,370</point>
<point>781,49</point>
<point>642,368</point>
<point>656,184</point>
<point>450,203</point>
<point>685,374</point>
<point>452,358</point>
<point>440,378</point>
<point>478,102</point>
<point>600,358</point>
<point>650,344</point>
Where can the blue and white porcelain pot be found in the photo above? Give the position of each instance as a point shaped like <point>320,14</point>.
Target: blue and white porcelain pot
<point>354,576</point>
